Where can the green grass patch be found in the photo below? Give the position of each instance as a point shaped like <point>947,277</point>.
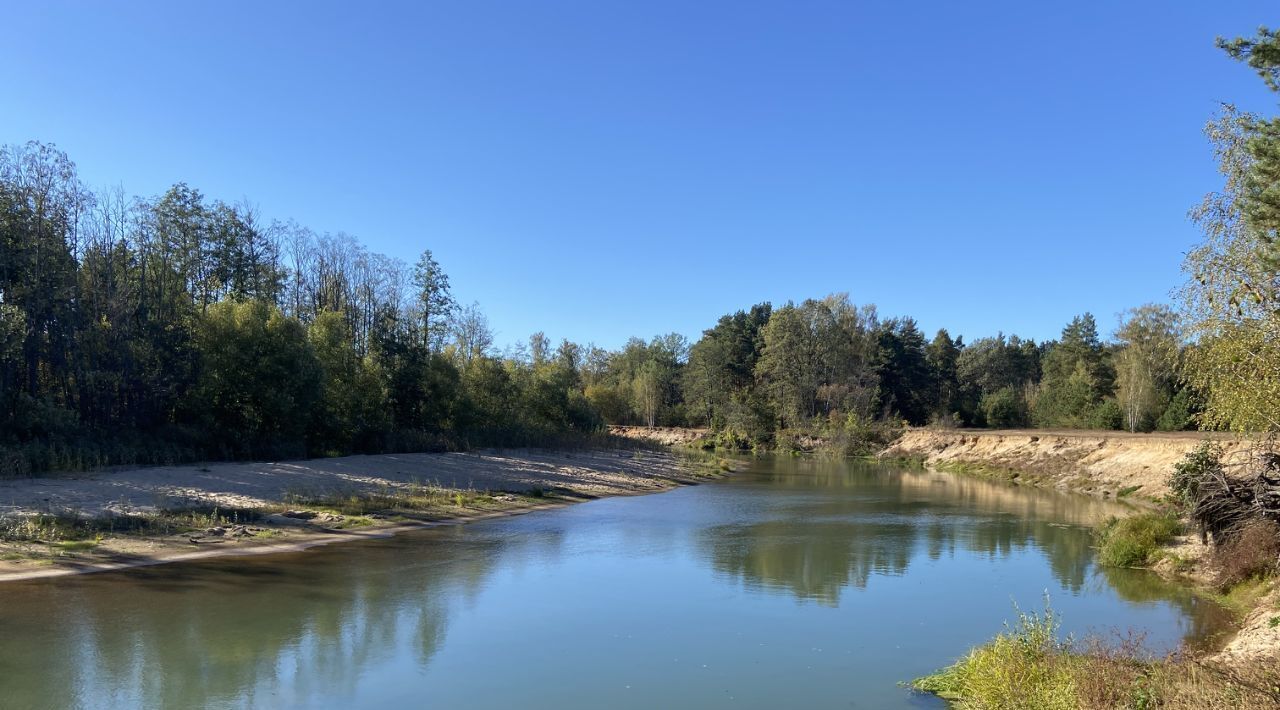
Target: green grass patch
<point>415,501</point>
<point>1024,667</point>
<point>1135,541</point>
<point>1127,491</point>
<point>1028,667</point>
<point>76,545</point>
<point>1243,597</point>
<point>353,521</point>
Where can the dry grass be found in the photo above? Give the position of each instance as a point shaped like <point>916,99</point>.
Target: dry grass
<point>61,528</point>
<point>1252,554</point>
<point>413,501</point>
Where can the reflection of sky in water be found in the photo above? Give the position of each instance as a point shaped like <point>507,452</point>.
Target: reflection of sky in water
<point>798,583</point>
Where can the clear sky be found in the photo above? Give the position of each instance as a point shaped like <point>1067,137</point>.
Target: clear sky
<point>602,169</point>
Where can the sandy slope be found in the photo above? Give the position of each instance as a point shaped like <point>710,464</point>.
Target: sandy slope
<point>667,436</point>
<point>1089,461</point>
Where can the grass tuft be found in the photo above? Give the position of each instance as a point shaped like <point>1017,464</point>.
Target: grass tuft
<point>1023,667</point>
<point>1028,667</point>
<point>1134,541</point>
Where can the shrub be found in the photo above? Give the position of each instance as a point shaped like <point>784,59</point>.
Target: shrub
<point>1024,667</point>
<point>1107,415</point>
<point>858,436</point>
<point>1133,541</point>
<point>1004,408</point>
<point>1192,470</point>
<point>1254,552</point>
<point>1180,415</point>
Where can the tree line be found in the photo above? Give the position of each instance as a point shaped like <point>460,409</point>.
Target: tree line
<point>178,327</point>
<point>144,330</point>
<point>139,330</point>
<point>826,366</point>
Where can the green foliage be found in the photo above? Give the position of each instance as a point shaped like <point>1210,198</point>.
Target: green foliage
<point>855,436</point>
<point>1135,540</point>
<point>1232,298</point>
<point>908,386</point>
<point>180,327</point>
<point>1180,415</point>
<point>258,379</point>
<point>1004,408</point>
<point>1107,414</point>
<point>818,357</point>
<point>721,369</point>
<point>434,302</point>
<point>997,367</point>
<point>1077,377</point>
<point>943,358</point>
<point>789,365</point>
<point>1026,666</point>
<point>351,413</point>
<point>1204,461</point>
<point>1147,364</point>
<point>1262,53</point>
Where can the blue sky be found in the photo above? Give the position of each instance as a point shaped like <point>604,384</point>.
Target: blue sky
<point>602,169</point>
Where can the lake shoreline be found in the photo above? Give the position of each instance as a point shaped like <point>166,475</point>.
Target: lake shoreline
<point>277,519</point>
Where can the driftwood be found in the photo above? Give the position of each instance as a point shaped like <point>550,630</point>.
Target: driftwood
<point>1224,504</point>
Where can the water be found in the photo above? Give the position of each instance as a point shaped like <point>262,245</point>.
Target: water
<point>797,583</point>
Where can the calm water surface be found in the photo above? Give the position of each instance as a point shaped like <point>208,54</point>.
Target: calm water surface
<point>799,583</point>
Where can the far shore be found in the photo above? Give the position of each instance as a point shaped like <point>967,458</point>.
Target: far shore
<point>260,508</point>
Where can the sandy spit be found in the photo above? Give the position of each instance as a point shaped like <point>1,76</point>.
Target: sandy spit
<point>570,476</point>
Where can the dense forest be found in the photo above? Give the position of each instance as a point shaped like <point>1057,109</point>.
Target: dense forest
<point>180,327</point>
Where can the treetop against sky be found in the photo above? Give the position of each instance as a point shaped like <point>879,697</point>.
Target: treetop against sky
<point>598,170</point>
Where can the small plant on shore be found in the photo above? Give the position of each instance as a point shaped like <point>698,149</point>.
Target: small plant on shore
<point>1127,491</point>
<point>1135,540</point>
<point>1026,666</point>
<point>78,545</point>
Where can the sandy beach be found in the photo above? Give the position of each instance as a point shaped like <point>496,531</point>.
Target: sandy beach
<point>557,477</point>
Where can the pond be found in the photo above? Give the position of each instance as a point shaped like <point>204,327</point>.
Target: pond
<point>794,583</point>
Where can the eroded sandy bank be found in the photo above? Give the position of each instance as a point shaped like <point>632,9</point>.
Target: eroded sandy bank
<point>1102,463</point>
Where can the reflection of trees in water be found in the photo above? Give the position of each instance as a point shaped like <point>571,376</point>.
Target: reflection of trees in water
<point>816,560</point>
<point>812,560</point>
<point>1207,619</point>
<point>241,632</point>
<point>868,519</point>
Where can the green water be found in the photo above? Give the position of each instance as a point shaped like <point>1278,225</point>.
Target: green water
<point>797,583</point>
